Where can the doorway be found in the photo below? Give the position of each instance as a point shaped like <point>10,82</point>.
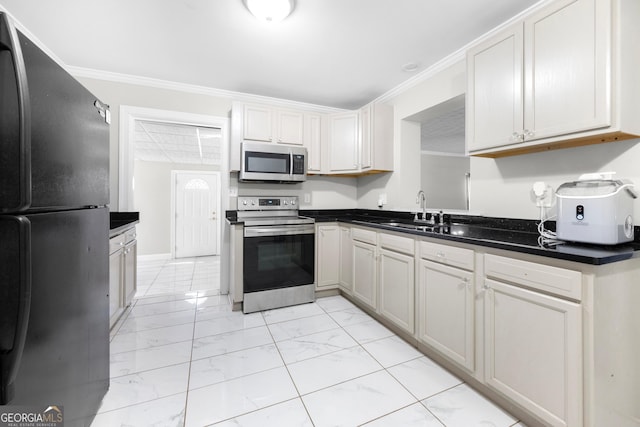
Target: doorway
<point>196,207</point>
<point>142,178</point>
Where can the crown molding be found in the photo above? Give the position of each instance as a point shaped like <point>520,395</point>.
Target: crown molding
<point>459,55</point>
<point>195,89</point>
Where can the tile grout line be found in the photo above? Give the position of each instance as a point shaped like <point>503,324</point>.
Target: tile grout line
<point>193,333</point>
<point>289,372</point>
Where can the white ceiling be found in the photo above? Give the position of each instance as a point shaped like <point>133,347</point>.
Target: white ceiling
<point>174,143</point>
<point>442,127</point>
<point>337,53</point>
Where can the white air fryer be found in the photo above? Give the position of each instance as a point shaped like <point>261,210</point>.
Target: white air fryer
<point>598,211</point>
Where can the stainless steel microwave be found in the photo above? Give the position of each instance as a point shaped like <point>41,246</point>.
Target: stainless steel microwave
<point>272,162</point>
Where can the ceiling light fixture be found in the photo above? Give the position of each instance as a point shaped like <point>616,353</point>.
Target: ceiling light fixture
<point>270,10</point>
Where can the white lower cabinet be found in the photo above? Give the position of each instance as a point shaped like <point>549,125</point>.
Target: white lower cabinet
<point>122,273</point>
<point>397,279</point>
<point>115,280</point>
<point>533,351</point>
<point>130,261</point>
<point>446,311</point>
<point>552,337</point>
<point>327,256</point>
<point>365,273</point>
<point>346,260</point>
<point>533,337</point>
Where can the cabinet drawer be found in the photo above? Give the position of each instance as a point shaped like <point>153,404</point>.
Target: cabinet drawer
<point>448,255</point>
<point>395,243</point>
<point>130,235</point>
<point>366,236</point>
<point>116,243</point>
<point>555,280</point>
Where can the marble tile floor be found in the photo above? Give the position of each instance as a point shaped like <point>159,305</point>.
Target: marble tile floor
<point>178,276</point>
<point>188,360</point>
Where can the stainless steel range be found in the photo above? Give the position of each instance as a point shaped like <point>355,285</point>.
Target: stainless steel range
<point>279,253</point>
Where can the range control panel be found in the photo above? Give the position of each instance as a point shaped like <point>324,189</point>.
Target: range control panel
<point>260,203</point>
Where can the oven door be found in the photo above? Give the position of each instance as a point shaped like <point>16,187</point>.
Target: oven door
<point>278,256</point>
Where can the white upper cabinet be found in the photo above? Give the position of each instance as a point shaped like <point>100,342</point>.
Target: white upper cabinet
<point>361,142</point>
<point>264,123</point>
<point>554,80</point>
<point>376,137</point>
<point>258,123</point>
<point>343,142</point>
<point>289,127</point>
<point>566,60</point>
<point>314,132</point>
<point>494,93</point>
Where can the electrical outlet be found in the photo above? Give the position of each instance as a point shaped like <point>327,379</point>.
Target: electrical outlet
<point>546,199</point>
<point>233,191</point>
<point>307,198</point>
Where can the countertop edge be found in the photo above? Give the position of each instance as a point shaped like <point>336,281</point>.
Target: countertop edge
<point>122,228</point>
<point>507,246</point>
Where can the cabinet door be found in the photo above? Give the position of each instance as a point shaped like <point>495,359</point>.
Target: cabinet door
<point>364,273</point>
<point>130,276</point>
<point>328,249</point>
<point>115,286</point>
<point>289,127</point>
<point>313,141</point>
<point>257,123</point>
<point>446,311</point>
<point>533,351</point>
<point>566,69</point>
<point>346,260</point>
<point>343,142</point>
<point>397,288</point>
<point>494,91</point>
<point>366,138</point>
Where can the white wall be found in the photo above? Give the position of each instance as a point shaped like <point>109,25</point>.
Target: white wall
<point>116,94</point>
<point>443,180</point>
<point>325,192</point>
<point>502,187</point>
<point>152,198</point>
<point>498,187</point>
<point>403,184</point>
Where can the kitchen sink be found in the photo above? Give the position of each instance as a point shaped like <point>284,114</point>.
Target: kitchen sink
<point>417,227</point>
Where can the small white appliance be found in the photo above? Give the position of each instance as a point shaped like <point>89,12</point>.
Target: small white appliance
<point>598,211</point>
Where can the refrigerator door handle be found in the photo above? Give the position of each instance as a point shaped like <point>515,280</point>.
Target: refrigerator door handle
<point>9,43</point>
<point>10,357</point>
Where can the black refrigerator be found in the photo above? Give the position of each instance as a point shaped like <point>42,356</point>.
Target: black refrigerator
<point>54,231</point>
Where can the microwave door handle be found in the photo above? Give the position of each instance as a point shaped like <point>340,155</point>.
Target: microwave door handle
<point>291,163</point>
<point>18,168</point>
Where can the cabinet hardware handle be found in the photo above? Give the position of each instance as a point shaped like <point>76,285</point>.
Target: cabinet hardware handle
<point>440,255</point>
<point>528,133</point>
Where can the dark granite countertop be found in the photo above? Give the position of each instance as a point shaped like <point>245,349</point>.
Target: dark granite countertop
<point>500,233</point>
<point>119,222</point>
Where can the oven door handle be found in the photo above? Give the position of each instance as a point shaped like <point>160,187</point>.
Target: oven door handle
<point>285,230</point>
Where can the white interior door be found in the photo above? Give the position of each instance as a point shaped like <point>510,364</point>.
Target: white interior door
<point>196,214</point>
